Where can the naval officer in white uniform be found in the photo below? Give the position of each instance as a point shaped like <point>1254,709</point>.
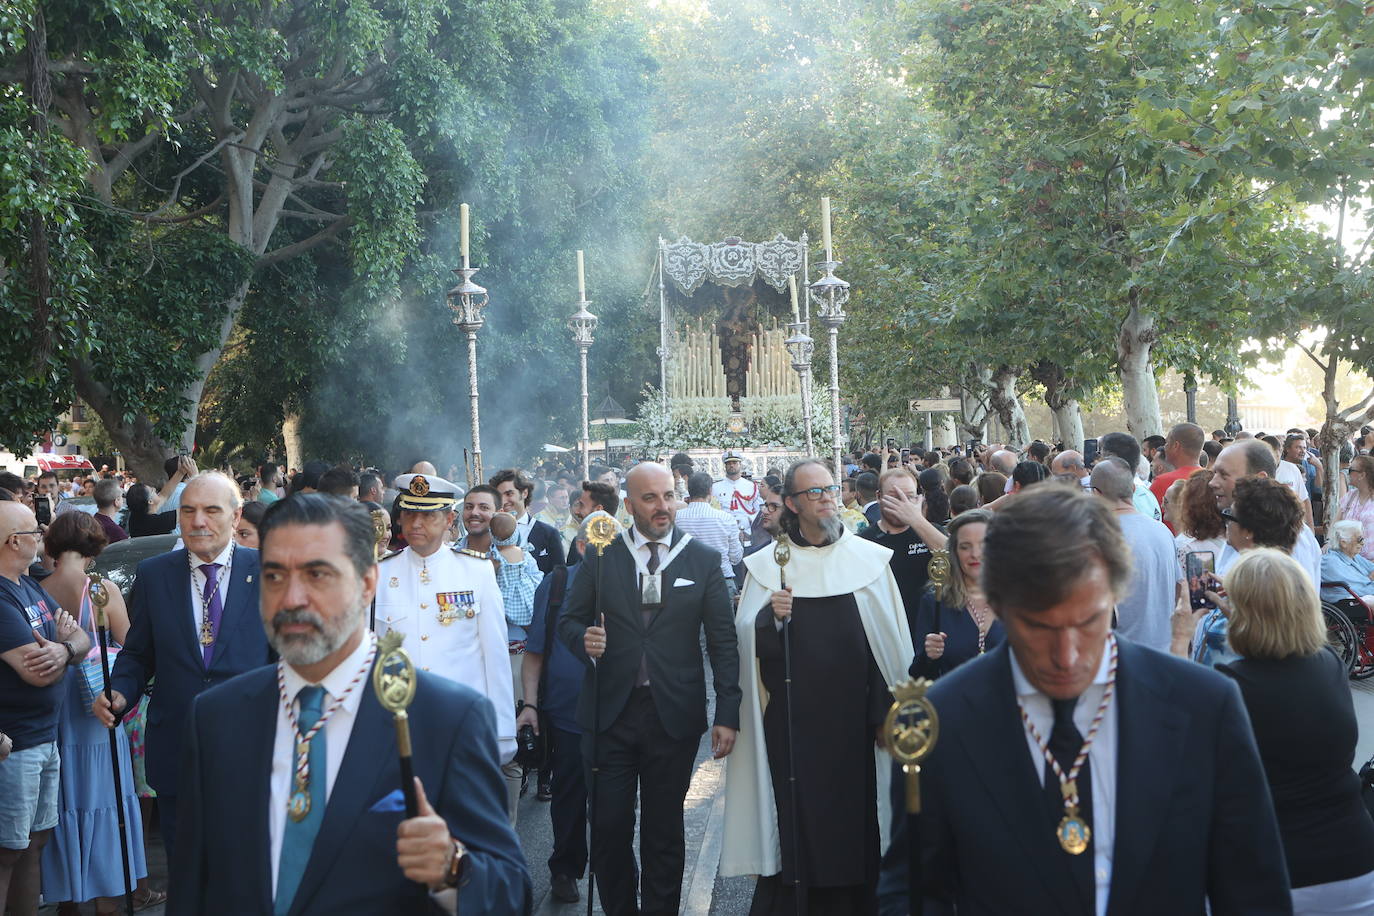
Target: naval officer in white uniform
<point>446,602</point>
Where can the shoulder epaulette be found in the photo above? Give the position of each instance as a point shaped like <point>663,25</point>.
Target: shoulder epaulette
<point>469,552</point>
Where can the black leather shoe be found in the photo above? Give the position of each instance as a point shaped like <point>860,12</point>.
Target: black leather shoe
<point>545,791</point>
<point>564,889</point>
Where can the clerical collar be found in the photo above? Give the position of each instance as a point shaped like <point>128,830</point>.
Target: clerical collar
<point>1024,688</point>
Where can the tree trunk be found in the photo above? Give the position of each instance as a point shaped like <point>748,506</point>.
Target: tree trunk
<point>1068,417</point>
<point>142,451</point>
<point>291,434</point>
<point>1007,404</point>
<point>973,403</point>
<point>1133,354</point>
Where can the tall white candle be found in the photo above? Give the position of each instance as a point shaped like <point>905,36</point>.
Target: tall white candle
<point>825,226</point>
<point>792,288</point>
<point>581,277</point>
<point>463,232</point>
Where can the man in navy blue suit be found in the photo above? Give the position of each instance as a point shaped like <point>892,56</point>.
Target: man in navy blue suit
<point>195,624</point>
<point>291,779</point>
<point>1077,772</point>
<point>542,540</point>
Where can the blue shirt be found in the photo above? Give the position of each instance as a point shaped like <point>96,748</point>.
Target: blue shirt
<point>563,673</point>
<point>28,714</point>
<point>1356,571</point>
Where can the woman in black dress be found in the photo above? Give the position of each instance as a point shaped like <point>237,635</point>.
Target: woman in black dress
<point>953,621</point>
<point>1296,693</point>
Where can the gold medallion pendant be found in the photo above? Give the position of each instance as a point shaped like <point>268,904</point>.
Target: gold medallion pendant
<point>207,634</point>
<point>299,806</point>
<point>1073,833</point>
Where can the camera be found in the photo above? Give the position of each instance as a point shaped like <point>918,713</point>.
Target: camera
<point>529,749</point>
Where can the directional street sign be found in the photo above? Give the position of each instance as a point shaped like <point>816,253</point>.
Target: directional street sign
<point>934,405</point>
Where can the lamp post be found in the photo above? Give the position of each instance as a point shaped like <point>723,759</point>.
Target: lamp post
<point>466,301</point>
<point>583,326</point>
<point>800,346</point>
<point>831,294</point>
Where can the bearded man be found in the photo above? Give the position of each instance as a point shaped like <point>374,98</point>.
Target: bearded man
<point>836,607</point>
<point>292,773</point>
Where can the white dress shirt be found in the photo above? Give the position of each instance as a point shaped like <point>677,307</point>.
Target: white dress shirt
<point>199,606</point>
<point>1101,756</point>
<point>336,733</point>
<point>523,526</point>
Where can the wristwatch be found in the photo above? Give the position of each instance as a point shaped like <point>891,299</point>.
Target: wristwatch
<point>71,652</point>
<point>457,865</point>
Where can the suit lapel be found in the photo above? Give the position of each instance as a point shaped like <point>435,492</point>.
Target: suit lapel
<point>236,608</point>
<point>1000,757</point>
<point>260,732</point>
<point>371,747</point>
<point>178,594</point>
<point>1149,729</point>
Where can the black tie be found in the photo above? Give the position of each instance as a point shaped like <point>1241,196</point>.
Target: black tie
<point>1065,743</point>
<point>647,612</point>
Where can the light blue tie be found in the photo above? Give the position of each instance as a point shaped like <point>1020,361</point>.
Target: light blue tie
<point>299,837</point>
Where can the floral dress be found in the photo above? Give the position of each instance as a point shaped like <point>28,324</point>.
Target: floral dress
<point>1362,511</point>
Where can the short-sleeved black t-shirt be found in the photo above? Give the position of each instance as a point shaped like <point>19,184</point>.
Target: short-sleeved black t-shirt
<point>28,714</point>
<point>910,563</point>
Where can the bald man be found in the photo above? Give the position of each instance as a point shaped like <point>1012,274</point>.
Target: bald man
<point>1069,465</point>
<point>195,624</point>
<point>1143,614</point>
<point>38,642</point>
<point>639,608</point>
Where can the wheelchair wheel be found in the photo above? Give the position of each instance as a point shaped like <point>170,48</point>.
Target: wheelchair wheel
<point>1342,638</point>
<point>1364,655</point>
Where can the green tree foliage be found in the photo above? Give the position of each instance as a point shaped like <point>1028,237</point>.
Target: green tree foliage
<point>281,127</point>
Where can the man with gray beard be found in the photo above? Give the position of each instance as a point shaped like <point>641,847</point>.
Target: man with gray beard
<point>291,775</point>
<point>836,607</point>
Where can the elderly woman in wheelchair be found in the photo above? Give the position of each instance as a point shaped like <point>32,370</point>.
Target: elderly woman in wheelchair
<point>1347,577</point>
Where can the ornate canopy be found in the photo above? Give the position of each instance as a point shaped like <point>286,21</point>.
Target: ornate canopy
<point>733,262</point>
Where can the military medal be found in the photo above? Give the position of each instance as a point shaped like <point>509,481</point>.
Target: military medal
<point>1073,832</point>
<point>448,608</point>
<point>298,805</point>
<point>424,572</point>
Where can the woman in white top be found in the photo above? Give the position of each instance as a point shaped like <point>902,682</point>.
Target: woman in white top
<point>1195,515</point>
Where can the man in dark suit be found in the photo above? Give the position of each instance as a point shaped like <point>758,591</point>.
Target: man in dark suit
<point>639,610</point>
<point>195,624</point>
<point>542,540</point>
<point>1168,812</point>
<point>297,809</point>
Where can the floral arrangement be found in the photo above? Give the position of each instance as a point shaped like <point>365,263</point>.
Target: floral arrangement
<point>684,423</point>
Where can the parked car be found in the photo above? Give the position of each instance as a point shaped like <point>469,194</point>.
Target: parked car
<point>119,562</point>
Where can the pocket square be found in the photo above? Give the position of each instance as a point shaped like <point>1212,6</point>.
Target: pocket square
<point>389,803</point>
<point>681,582</point>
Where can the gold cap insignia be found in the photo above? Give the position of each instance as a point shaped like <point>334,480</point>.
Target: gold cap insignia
<point>419,486</point>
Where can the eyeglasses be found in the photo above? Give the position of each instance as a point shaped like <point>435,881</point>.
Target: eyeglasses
<point>1229,515</point>
<point>14,534</point>
<point>815,493</point>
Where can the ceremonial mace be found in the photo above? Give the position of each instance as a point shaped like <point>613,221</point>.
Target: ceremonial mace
<point>601,532</point>
<point>102,624</point>
<point>394,681</point>
<point>782,552</point>
<point>912,727</point>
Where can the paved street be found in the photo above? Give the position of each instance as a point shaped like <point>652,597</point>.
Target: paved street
<point>703,894</point>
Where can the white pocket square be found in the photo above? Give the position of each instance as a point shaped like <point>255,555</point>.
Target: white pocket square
<point>681,582</point>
